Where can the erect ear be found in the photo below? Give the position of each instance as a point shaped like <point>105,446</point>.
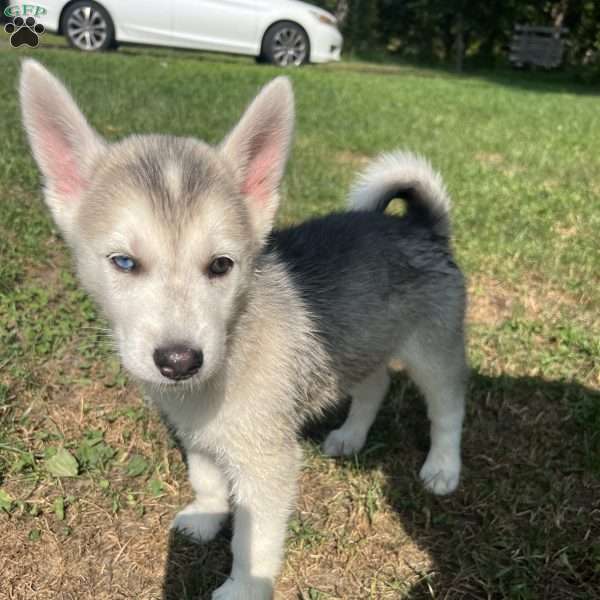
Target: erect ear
<point>258,149</point>
<point>63,144</point>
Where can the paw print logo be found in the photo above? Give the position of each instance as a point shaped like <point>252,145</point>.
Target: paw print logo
<point>24,32</point>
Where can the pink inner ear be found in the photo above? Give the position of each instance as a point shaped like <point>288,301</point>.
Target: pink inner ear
<point>261,173</point>
<point>59,163</point>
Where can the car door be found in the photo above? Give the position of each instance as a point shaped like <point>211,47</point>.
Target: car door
<point>220,25</point>
<point>142,21</point>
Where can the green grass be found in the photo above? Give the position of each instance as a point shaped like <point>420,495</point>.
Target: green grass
<point>85,466</point>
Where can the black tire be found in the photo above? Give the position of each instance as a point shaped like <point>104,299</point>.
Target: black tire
<point>286,44</point>
<point>88,27</point>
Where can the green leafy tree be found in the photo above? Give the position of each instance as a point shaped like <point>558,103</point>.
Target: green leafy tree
<point>457,31</point>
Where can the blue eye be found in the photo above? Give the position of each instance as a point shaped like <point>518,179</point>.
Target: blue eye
<point>123,262</point>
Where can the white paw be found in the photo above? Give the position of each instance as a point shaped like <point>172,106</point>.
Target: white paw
<point>343,443</point>
<point>441,472</point>
<point>200,520</point>
<point>251,588</point>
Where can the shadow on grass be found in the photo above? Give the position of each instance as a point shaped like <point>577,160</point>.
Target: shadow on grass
<point>582,81</point>
<point>540,82</point>
<point>195,570</point>
<point>192,567</point>
<point>525,522</point>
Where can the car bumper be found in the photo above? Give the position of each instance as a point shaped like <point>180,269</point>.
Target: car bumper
<point>326,44</point>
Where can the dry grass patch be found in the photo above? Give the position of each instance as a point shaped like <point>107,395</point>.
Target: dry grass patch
<point>492,302</point>
<point>490,158</point>
<point>489,301</point>
<point>347,540</point>
<point>106,539</point>
<point>525,518</point>
<point>355,159</point>
<point>112,541</point>
<point>499,162</point>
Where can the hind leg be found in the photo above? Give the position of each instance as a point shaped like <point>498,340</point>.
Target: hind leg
<point>366,400</point>
<point>441,376</point>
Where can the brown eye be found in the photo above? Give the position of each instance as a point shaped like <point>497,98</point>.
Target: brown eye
<point>220,266</point>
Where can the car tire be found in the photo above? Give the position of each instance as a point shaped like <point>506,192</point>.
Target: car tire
<point>285,45</point>
<point>88,27</point>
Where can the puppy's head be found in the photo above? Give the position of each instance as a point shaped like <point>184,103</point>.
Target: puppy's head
<point>164,230</point>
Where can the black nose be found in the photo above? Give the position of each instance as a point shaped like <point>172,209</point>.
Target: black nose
<point>178,362</point>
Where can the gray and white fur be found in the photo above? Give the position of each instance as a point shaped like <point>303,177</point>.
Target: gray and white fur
<point>237,332</point>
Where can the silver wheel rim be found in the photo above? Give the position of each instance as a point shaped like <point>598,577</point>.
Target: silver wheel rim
<point>289,47</point>
<point>87,28</point>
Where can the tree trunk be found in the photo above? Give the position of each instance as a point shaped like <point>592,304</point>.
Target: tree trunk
<point>341,12</point>
<point>558,12</point>
<point>459,42</point>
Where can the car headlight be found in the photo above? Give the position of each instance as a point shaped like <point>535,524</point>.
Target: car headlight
<point>324,18</point>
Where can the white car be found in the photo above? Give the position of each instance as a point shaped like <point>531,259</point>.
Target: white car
<point>283,32</point>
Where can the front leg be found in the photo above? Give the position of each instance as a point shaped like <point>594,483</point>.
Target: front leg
<point>264,497</point>
<point>202,519</point>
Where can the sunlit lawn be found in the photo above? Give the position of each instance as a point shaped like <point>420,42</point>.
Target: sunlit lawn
<point>522,163</point>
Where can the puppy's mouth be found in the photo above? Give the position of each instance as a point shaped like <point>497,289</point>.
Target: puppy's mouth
<point>161,382</point>
<point>181,382</point>
<point>178,378</point>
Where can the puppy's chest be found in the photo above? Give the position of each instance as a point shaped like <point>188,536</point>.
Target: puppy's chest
<point>205,420</point>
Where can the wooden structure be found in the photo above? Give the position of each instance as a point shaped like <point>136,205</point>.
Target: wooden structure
<point>537,46</point>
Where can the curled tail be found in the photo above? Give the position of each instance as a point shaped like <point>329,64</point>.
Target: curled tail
<point>407,176</point>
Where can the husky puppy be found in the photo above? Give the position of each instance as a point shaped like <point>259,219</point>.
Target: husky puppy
<point>239,333</point>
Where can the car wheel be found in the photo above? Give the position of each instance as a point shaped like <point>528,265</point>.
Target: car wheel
<point>286,44</point>
<point>87,26</point>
